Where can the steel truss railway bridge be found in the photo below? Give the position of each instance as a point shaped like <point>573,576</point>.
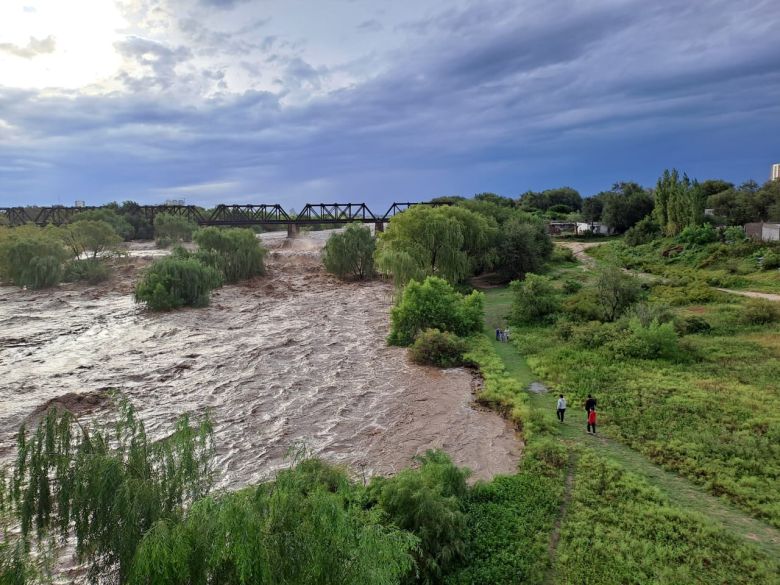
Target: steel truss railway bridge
<point>228,215</point>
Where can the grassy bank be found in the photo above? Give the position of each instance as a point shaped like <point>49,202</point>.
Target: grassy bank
<point>744,266</point>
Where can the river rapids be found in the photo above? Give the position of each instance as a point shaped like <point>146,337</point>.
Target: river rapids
<point>293,356</point>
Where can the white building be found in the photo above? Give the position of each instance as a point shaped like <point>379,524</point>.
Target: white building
<point>593,227</point>
<point>776,172</point>
<point>79,203</point>
<point>174,202</point>
<point>770,232</point>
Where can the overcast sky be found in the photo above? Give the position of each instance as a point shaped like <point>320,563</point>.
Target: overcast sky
<point>292,101</point>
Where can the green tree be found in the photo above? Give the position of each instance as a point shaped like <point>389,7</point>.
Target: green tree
<point>32,257</point>
<point>298,530</point>
<point>543,201</point>
<point>679,202</point>
<point>108,485</point>
<point>119,224</point>
<point>176,282</point>
<point>428,503</point>
<point>434,304</point>
<point>615,291</point>
<point>170,229</point>
<point>533,299</point>
<point>90,237</point>
<point>236,253</point>
<point>524,246</point>
<point>439,241</point>
<point>350,254</point>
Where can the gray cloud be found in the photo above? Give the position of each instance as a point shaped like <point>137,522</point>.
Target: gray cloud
<point>494,96</point>
<point>33,48</point>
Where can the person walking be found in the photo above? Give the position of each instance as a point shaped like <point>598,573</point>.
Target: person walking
<point>592,421</point>
<point>590,403</point>
<point>498,334</point>
<point>561,408</point>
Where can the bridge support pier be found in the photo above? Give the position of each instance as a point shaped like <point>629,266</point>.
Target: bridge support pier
<point>293,230</point>
<point>379,227</point>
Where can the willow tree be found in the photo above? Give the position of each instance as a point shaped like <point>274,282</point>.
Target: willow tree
<point>301,529</point>
<point>236,253</point>
<point>350,254</point>
<point>90,237</point>
<point>108,486</point>
<point>433,241</point>
<point>32,257</point>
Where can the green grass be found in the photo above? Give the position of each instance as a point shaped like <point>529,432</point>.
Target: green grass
<point>734,266</point>
<point>679,493</point>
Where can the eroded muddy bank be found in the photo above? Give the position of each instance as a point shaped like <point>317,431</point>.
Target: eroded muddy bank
<point>295,355</point>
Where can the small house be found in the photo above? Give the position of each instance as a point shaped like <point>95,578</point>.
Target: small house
<point>593,227</point>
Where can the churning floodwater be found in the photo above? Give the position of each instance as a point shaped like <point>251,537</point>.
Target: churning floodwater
<point>293,356</point>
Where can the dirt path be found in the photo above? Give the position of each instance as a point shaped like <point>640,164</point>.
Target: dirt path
<point>579,251</point>
<point>752,294</point>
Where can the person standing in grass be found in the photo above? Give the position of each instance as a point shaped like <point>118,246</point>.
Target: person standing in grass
<point>592,421</point>
<point>561,407</point>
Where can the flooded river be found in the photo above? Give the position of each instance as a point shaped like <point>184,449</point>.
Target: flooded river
<point>294,355</point>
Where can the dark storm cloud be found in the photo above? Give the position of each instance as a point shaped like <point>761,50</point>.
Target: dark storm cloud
<point>500,96</point>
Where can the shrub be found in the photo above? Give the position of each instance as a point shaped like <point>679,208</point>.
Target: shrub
<point>90,270</point>
<point>90,237</point>
<point>436,348</point>
<point>427,503</point>
<point>583,305</point>
<point>593,334</point>
<point>434,303</point>
<point>170,229</point>
<point>646,313</point>
<point>571,286</point>
<point>695,292</point>
<point>236,253</point>
<point>561,254</point>
<point>644,232</point>
<point>770,260</point>
<point>34,261</point>
<point>698,235</point>
<point>533,299</point>
<point>172,283</point>
<point>615,292</point>
<point>734,234</point>
<point>656,340</point>
<point>350,254</point>
<point>118,223</point>
<point>692,324</point>
<point>760,312</point>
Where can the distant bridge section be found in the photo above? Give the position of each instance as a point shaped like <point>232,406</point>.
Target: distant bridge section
<point>227,215</point>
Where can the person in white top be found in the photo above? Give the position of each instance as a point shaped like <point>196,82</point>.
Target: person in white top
<point>561,407</point>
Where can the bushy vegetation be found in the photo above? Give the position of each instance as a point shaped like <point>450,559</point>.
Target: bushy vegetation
<point>89,270</point>
<point>32,257</point>
<point>434,304</point>
<point>621,208</point>
<point>118,223</point>
<point>235,253</point>
<point>619,530</point>
<point>437,348</point>
<point>533,299</point>
<point>174,282</point>
<point>108,486</point>
<point>679,202</point>
<point>350,254</point>
<point>447,242</point>
<point>676,379</point>
<point>92,238</point>
<point>296,529</point>
<point>172,229</point>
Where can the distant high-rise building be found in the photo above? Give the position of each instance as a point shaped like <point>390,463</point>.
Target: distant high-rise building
<point>174,202</point>
<point>776,172</point>
<point>79,203</point>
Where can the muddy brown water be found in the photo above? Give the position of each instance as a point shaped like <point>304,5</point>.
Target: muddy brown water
<point>295,355</point>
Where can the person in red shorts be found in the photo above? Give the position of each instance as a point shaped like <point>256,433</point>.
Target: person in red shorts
<point>592,421</point>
